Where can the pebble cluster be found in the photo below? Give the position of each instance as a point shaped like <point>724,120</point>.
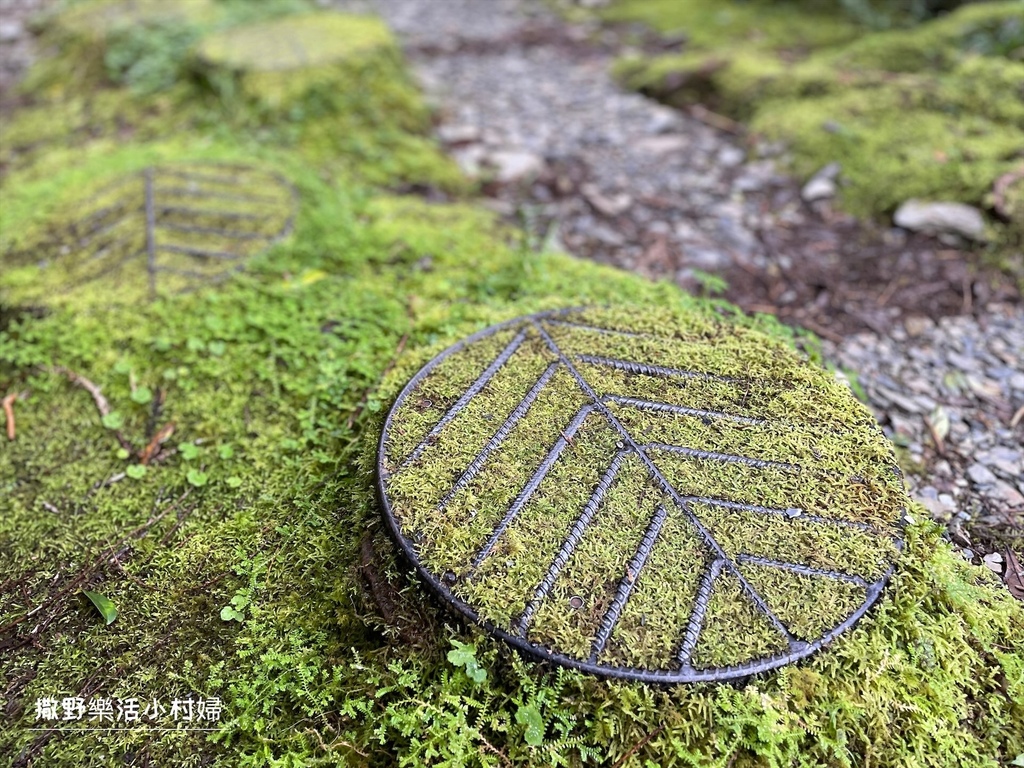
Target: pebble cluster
<point>952,395</point>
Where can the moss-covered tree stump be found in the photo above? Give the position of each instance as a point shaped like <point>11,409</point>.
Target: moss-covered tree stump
<point>277,62</point>
<point>642,496</point>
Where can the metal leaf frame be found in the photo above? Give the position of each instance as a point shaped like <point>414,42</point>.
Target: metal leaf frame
<point>214,216</point>
<point>720,562</point>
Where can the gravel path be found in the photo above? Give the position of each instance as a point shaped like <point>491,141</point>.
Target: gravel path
<point>527,101</point>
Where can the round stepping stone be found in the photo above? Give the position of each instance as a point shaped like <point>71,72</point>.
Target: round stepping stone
<point>165,229</point>
<point>649,495</point>
<point>278,60</point>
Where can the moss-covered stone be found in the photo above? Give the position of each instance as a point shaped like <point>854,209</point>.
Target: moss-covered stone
<point>933,112</point>
<point>279,61</point>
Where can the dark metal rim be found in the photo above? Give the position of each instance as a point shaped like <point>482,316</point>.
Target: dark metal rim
<point>538,652</point>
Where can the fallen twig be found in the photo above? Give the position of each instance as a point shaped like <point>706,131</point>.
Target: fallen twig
<point>715,120</point>
<point>638,746</point>
<point>1017,417</point>
<point>102,405</point>
<point>8,406</point>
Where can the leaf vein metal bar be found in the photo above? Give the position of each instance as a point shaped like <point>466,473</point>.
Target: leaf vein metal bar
<point>656,370</point>
<point>208,178</point>
<point>700,608</point>
<point>706,536</point>
<point>571,542</point>
<point>793,513</point>
<point>205,193</point>
<point>499,437</point>
<point>203,253</point>
<point>150,232</point>
<point>467,396</point>
<point>750,461</point>
<point>700,413</point>
<point>629,580</point>
<point>595,329</point>
<point>532,485</point>
<point>233,234</point>
<point>210,213</point>
<point>803,570</point>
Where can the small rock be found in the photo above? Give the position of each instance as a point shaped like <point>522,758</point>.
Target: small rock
<point>11,30</point>
<point>822,185</point>
<point>818,189</point>
<point>938,218</point>
<point>666,144</point>
<point>610,206</point>
<point>458,134</point>
<point>981,475</point>
<point>1007,494</point>
<point>513,165</point>
<point>994,562</point>
<point>916,325</point>
<point>663,119</point>
<point>730,156</point>
<point>1005,461</point>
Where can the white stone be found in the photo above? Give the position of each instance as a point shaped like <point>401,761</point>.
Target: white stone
<point>11,31</point>
<point>666,144</point>
<point>818,188</point>
<point>513,165</point>
<point>938,218</point>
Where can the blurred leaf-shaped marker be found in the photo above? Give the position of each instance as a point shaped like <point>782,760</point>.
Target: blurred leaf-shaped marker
<point>103,605</point>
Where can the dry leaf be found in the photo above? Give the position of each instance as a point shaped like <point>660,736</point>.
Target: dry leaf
<point>1014,576</point>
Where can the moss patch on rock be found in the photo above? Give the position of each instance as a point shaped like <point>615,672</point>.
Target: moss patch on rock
<point>279,61</point>
<point>932,112</point>
<point>360,117</point>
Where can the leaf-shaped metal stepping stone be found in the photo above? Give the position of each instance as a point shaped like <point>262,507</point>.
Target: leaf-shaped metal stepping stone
<point>162,230</point>
<point>642,494</point>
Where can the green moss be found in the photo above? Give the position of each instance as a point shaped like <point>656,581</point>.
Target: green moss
<point>85,33</point>
<point>274,364</point>
<point>764,24</point>
<point>933,112</point>
<point>451,489</point>
<point>360,117</point>
<point>263,499</point>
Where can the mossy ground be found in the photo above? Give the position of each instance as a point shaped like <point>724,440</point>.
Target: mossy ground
<point>933,112</point>
<point>277,382</point>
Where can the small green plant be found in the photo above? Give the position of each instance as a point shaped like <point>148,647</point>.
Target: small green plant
<point>464,655</point>
<point>103,604</point>
<point>710,285</point>
<point>149,58</point>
